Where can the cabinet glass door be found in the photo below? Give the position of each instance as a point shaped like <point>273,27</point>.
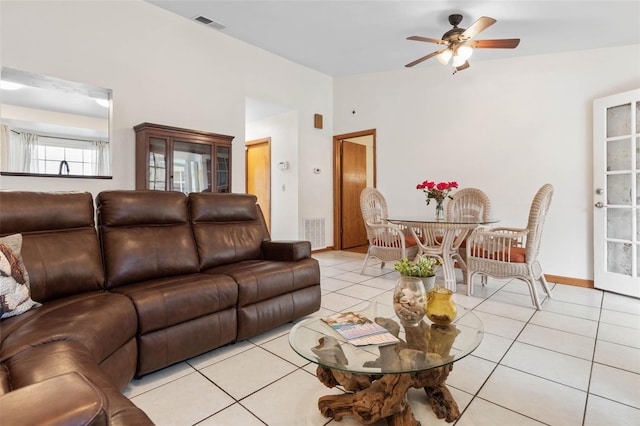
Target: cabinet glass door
<point>157,164</point>
<point>222,169</point>
<point>191,167</point>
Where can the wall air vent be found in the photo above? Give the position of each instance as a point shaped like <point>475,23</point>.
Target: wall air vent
<point>209,22</point>
<point>314,232</point>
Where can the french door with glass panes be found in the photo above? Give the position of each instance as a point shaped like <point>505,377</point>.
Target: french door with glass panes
<point>616,175</point>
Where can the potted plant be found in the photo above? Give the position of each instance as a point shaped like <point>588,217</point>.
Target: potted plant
<point>424,268</point>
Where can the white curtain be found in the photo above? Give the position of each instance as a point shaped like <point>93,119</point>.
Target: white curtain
<point>101,158</point>
<point>4,146</point>
<point>23,152</point>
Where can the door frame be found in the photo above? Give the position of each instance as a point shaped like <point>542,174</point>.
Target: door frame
<point>247,145</point>
<point>337,179</point>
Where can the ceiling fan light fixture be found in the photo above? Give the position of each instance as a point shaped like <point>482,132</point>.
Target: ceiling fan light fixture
<point>458,60</point>
<point>445,56</point>
<point>459,43</point>
<point>464,52</point>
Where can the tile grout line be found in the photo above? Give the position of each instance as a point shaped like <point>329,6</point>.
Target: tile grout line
<point>476,395</point>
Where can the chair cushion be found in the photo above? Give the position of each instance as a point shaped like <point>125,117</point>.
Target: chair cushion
<point>463,244</point>
<point>517,255</point>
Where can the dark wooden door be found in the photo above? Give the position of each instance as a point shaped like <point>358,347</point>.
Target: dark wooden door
<point>354,180</point>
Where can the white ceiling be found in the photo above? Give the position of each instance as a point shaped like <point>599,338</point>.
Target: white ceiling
<point>341,37</point>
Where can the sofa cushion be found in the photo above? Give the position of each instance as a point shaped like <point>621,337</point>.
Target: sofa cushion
<point>165,302</point>
<point>145,235</point>
<point>15,295</point>
<point>228,228</point>
<point>260,280</point>
<point>181,316</point>
<point>83,403</point>
<point>215,207</point>
<point>44,211</point>
<point>39,363</point>
<point>102,322</point>
<point>59,241</point>
<point>161,348</point>
<point>265,315</point>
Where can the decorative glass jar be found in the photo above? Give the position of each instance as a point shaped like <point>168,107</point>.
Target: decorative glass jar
<point>440,307</point>
<point>439,210</point>
<point>409,300</point>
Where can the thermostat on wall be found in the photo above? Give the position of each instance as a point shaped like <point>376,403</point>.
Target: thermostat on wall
<point>283,165</point>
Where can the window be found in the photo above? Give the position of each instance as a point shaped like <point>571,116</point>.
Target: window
<point>54,155</point>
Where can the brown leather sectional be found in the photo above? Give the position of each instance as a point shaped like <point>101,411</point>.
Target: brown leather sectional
<point>165,277</point>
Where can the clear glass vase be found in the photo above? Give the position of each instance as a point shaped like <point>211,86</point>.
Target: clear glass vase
<point>409,299</point>
<point>439,210</point>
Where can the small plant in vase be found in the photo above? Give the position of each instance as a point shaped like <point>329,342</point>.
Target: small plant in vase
<point>409,295</point>
<point>423,268</point>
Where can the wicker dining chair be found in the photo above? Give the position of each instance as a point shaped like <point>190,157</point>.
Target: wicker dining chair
<point>471,204</point>
<point>512,252</point>
<point>387,241</point>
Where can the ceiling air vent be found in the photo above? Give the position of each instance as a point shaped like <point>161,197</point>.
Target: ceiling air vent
<point>209,22</point>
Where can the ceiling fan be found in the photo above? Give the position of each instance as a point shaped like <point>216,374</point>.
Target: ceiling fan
<point>460,43</point>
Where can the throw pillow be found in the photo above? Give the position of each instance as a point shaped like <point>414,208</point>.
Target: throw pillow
<point>15,294</point>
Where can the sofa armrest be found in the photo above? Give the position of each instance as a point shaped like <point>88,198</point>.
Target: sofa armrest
<point>68,399</point>
<point>286,251</point>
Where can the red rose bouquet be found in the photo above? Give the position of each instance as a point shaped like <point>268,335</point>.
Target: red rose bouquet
<point>437,191</point>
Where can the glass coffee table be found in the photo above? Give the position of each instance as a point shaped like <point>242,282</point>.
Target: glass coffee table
<point>377,378</point>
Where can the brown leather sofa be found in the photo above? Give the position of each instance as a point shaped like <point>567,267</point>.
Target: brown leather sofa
<point>164,278</point>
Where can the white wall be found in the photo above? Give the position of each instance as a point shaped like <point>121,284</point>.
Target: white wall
<point>506,127</point>
<point>283,131</point>
<point>168,70</point>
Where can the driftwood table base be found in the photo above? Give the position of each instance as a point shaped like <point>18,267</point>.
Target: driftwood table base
<point>376,387</point>
<point>372,398</point>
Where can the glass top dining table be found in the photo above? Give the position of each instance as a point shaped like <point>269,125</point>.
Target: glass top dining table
<point>441,238</point>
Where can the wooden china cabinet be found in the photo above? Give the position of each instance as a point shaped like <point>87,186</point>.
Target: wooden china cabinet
<point>175,159</point>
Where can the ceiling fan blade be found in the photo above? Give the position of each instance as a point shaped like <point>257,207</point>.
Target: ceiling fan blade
<point>477,27</point>
<point>427,39</point>
<point>463,66</point>
<point>424,58</point>
<point>505,43</point>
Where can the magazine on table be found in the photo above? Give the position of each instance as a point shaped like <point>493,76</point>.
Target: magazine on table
<point>360,330</point>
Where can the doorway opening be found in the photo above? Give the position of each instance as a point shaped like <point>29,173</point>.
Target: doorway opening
<point>258,174</point>
<point>354,168</point>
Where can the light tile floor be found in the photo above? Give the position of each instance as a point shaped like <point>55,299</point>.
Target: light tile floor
<point>575,362</point>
